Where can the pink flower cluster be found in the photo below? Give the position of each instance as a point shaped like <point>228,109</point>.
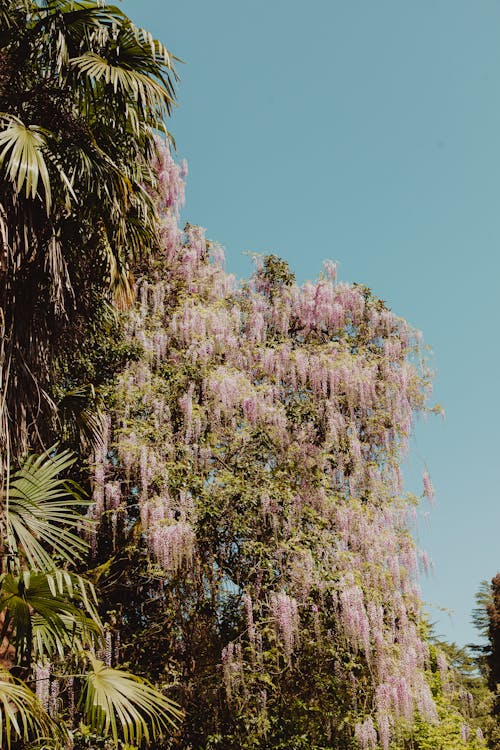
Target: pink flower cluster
<point>284,610</point>
<point>366,734</point>
<point>172,545</point>
<point>42,684</point>
<point>318,385</point>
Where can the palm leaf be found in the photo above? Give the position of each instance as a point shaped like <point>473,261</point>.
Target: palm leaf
<point>41,512</point>
<point>139,86</point>
<point>23,152</point>
<point>121,284</point>
<point>38,611</point>
<point>80,407</point>
<point>22,596</point>
<point>22,716</point>
<point>116,702</point>
<point>77,633</point>
<point>75,20</point>
<point>136,49</point>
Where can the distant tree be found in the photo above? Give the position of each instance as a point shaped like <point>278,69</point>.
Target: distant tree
<point>481,621</point>
<point>486,618</point>
<point>493,610</point>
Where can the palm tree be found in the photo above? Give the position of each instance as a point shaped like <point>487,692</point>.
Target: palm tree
<point>82,94</point>
<point>51,635</point>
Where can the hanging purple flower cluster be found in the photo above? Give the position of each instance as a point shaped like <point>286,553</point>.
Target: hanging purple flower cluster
<point>261,432</point>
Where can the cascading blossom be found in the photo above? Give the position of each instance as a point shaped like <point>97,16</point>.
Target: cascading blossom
<point>366,735</point>
<point>261,434</point>
<point>42,683</point>
<point>286,617</point>
<point>172,545</point>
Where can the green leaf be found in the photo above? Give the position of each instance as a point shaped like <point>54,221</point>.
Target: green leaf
<point>40,618</point>
<point>41,512</point>
<point>23,156</point>
<point>22,716</point>
<point>137,85</point>
<point>119,703</point>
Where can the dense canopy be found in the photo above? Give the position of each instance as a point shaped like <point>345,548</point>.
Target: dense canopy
<point>253,455</point>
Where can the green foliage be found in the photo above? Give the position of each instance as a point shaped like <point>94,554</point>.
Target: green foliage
<point>41,620</point>
<point>460,717</point>
<point>41,516</point>
<point>50,629</point>
<point>22,716</point>
<point>83,93</point>
<point>486,618</point>
<point>117,703</point>
<point>23,150</point>
<point>276,271</point>
<point>484,600</point>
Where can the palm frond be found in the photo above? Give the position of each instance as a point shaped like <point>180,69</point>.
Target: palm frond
<point>22,716</point>
<point>118,703</point>
<point>122,284</point>
<point>23,153</point>
<point>137,49</point>
<point>41,512</point>
<point>57,268</point>
<point>80,406</point>
<point>141,88</point>
<point>121,280</point>
<point>20,597</point>
<point>39,616</point>
<point>74,18</point>
<point>77,633</point>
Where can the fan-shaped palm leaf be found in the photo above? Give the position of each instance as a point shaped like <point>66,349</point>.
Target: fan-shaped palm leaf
<point>38,605</point>
<point>22,716</point>
<point>77,634</point>
<point>96,172</point>
<point>136,49</point>
<point>41,515</point>
<point>119,703</point>
<point>23,152</point>
<point>143,89</point>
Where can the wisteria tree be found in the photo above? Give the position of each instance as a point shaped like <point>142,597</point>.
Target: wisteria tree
<point>254,543</point>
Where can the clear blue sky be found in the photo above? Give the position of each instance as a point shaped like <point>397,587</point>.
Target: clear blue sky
<point>368,132</point>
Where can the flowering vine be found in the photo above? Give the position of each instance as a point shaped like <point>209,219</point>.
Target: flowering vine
<point>256,443</point>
